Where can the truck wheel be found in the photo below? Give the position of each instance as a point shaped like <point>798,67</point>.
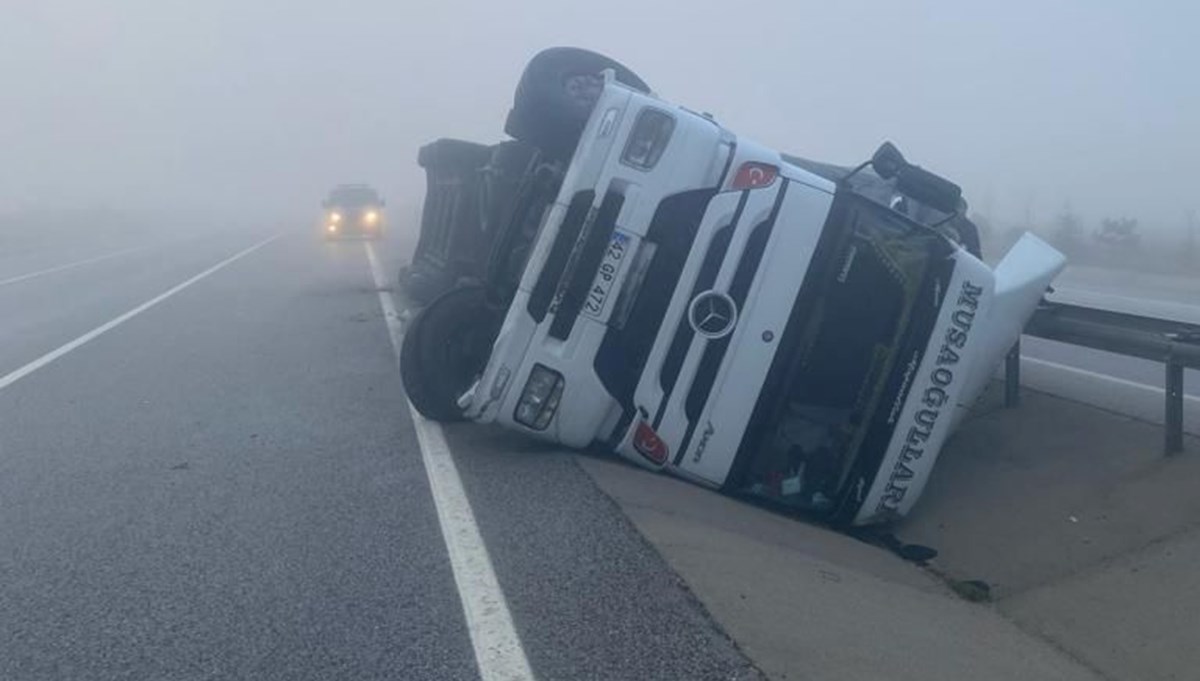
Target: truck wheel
<point>556,95</point>
<point>445,348</point>
<point>426,282</point>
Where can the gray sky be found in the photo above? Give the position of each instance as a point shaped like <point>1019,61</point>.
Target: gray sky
<point>261,104</point>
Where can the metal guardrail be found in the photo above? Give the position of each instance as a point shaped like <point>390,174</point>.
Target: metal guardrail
<point>1176,345</point>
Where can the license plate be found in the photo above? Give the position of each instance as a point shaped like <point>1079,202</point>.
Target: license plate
<point>618,247</point>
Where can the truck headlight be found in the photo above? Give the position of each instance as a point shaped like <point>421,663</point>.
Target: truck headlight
<point>648,139</point>
<point>335,217</point>
<point>371,217</point>
<point>540,398</point>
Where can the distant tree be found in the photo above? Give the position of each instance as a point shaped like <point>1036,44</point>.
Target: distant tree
<point>1068,230</point>
<point>1119,233</point>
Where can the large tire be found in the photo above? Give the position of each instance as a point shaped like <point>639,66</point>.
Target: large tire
<point>555,97</point>
<point>446,347</point>
<point>425,282</point>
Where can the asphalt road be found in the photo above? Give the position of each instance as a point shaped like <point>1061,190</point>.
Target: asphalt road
<point>227,483</point>
<point>209,470</point>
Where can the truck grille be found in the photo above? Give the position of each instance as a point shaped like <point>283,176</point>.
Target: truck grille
<point>623,352</point>
<point>718,248</point>
<point>583,263</point>
<point>714,351</point>
<point>560,252</point>
<point>682,340</point>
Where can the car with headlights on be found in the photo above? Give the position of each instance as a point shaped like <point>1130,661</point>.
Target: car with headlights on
<point>352,210</point>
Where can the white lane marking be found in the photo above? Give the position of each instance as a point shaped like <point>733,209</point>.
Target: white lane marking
<point>112,324</point>
<point>60,268</point>
<point>1102,377</point>
<point>1078,290</point>
<point>498,651</point>
<point>1170,309</point>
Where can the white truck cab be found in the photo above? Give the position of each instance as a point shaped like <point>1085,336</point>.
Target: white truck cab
<point>704,305</point>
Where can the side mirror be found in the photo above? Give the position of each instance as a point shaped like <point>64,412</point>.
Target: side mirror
<point>382,203</point>
<point>932,190</point>
<point>325,203</point>
<point>888,161</point>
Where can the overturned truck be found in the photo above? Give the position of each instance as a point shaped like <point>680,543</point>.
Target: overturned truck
<point>651,283</point>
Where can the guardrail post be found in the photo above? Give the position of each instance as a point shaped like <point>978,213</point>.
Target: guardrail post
<point>1012,376</point>
<point>1174,420</point>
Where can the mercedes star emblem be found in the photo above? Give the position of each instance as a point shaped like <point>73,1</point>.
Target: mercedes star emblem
<point>712,314</point>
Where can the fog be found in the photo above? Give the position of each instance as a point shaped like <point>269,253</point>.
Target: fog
<point>257,107</point>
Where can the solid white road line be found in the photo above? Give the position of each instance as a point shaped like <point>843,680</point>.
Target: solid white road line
<point>60,268</point>
<point>1079,291</point>
<point>498,651</point>
<point>1153,307</point>
<point>112,324</point>
<point>1102,377</point>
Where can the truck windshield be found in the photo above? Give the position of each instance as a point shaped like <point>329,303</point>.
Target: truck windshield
<point>353,196</point>
<point>846,333</point>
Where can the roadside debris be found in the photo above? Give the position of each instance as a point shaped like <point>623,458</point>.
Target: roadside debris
<point>972,590</point>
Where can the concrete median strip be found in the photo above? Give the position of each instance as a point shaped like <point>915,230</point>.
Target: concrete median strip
<point>498,650</point>
<point>804,602</point>
<point>66,348</point>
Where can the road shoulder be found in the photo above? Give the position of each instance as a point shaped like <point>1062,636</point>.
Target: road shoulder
<point>806,603</point>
